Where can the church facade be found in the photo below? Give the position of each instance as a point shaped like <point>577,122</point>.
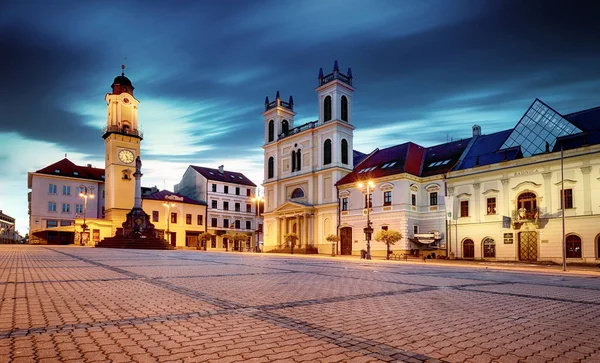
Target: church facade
<point>303,163</point>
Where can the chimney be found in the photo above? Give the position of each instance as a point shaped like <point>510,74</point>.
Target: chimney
<point>476,130</point>
<point>221,169</point>
<point>89,165</point>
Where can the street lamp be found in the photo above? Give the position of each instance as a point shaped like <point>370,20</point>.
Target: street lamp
<point>168,217</point>
<point>368,230</point>
<point>258,200</point>
<point>85,193</point>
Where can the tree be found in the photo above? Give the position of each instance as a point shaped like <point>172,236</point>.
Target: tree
<point>291,239</point>
<point>205,237</point>
<point>389,237</point>
<point>333,238</point>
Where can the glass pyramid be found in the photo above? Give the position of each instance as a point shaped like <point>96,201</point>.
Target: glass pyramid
<point>539,125</point>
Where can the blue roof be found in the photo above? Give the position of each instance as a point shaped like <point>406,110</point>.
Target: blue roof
<point>485,151</point>
<point>587,120</point>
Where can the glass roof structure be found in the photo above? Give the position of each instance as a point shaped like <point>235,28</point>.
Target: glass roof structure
<point>539,125</point>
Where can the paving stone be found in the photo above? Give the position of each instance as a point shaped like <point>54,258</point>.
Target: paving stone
<point>91,305</point>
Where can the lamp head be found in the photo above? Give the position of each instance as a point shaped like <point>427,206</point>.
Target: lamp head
<point>81,194</point>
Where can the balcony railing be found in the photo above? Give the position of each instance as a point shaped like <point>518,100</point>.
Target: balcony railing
<point>296,130</point>
<point>283,104</point>
<point>335,75</point>
<point>123,131</point>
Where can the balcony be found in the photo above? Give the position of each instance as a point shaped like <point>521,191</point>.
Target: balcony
<point>299,129</point>
<point>522,215</point>
<point>333,76</point>
<point>123,130</point>
<point>279,102</point>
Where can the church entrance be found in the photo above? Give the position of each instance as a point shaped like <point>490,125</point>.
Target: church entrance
<point>346,240</point>
<point>527,246</point>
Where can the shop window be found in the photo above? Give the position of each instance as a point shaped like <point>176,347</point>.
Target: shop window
<point>489,248</point>
<point>573,246</point>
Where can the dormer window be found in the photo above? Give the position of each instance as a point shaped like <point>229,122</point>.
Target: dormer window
<point>57,171</point>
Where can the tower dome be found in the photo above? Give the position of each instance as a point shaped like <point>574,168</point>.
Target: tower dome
<point>122,84</point>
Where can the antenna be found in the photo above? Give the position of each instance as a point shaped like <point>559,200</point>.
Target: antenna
<point>123,66</point>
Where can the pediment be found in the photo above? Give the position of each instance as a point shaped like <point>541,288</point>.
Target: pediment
<point>567,181</point>
<point>463,195</point>
<point>291,206</point>
<point>490,191</point>
<point>527,182</point>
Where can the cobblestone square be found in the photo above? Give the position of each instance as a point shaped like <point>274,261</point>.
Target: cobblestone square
<point>75,304</point>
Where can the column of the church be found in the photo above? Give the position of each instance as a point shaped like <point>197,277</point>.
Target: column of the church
<point>279,229</point>
<point>298,230</point>
<point>305,230</point>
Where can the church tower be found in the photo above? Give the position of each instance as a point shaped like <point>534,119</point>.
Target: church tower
<point>303,163</point>
<point>122,138</point>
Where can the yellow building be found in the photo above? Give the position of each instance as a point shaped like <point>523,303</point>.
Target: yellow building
<point>179,219</point>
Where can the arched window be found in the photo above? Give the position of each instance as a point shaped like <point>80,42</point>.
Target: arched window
<point>344,109</point>
<point>298,160</point>
<point>271,130</point>
<point>489,248</point>
<point>344,151</point>
<point>271,166</point>
<point>293,160</point>
<point>327,152</point>
<point>468,248</point>
<point>327,108</point>
<point>285,126</point>
<point>573,246</point>
<point>527,205</point>
<point>298,193</point>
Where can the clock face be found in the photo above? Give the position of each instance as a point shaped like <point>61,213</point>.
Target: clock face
<point>126,156</point>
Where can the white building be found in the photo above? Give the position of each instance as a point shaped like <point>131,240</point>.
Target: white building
<point>230,206</point>
<point>406,195</point>
<point>507,190</point>
<point>303,163</point>
<point>7,227</point>
<point>54,200</point>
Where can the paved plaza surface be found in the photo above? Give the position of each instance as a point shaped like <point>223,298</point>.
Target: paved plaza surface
<point>77,304</point>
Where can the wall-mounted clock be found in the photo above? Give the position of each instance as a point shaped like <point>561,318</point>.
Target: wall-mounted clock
<point>126,156</point>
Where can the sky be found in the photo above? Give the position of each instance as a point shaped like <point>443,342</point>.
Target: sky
<point>424,71</point>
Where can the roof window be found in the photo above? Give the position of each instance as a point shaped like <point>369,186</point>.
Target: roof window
<point>57,171</point>
<point>75,173</point>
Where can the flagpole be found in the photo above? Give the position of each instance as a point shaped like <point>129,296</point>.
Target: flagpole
<point>562,198</point>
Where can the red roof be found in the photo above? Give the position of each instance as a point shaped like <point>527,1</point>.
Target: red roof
<point>66,168</point>
<point>407,158</point>
<point>168,196</point>
<point>226,176</point>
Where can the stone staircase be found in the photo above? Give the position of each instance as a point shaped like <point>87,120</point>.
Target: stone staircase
<point>308,250</point>
<point>135,243</point>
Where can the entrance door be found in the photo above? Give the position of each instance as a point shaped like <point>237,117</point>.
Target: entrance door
<point>528,246</point>
<point>346,240</point>
<point>173,239</point>
<point>468,249</point>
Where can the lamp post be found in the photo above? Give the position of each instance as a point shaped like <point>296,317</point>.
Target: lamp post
<point>368,230</point>
<point>168,217</point>
<point>258,200</point>
<point>85,193</point>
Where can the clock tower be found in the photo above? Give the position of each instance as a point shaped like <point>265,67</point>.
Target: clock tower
<point>122,138</point>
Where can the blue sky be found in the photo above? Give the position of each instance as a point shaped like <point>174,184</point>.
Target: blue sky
<point>425,71</point>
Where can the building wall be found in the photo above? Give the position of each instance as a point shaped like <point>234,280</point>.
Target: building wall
<point>181,226</point>
<point>40,197</point>
<point>400,216</point>
<point>540,175</point>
